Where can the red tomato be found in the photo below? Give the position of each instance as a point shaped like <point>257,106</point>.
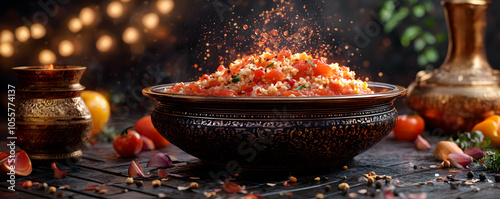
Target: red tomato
<point>128,143</point>
<point>409,127</point>
<point>144,126</point>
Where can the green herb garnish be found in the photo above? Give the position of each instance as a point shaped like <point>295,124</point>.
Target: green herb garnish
<point>471,139</point>
<point>252,61</point>
<point>312,64</point>
<point>270,65</point>
<point>236,79</point>
<point>491,161</point>
<point>300,87</point>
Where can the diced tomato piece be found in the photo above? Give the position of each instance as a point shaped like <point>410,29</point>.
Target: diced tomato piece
<point>323,70</point>
<point>291,82</point>
<point>258,74</point>
<point>204,77</point>
<point>303,68</point>
<point>247,88</point>
<point>275,76</point>
<point>221,68</point>
<point>213,84</point>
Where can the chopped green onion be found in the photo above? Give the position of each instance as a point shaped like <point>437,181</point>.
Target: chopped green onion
<point>236,79</point>
<point>270,65</point>
<point>300,87</point>
<point>312,64</point>
<point>252,61</point>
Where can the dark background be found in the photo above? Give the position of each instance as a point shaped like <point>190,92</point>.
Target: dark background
<point>169,52</point>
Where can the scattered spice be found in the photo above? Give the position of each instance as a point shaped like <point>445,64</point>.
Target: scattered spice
<point>28,184</point>
<point>156,183</point>
<point>43,186</point>
<point>52,189</point>
<point>139,183</point>
<point>232,187</point>
<point>289,194</point>
<point>454,185</point>
<point>293,179</point>
<point>161,195</point>
<point>378,184</point>
<point>343,177</point>
<point>372,174</point>
<point>344,168</point>
<point>363,191</point>
<point>97,189</point>
<point>162,173</point>
<point>497,177</point>
<point>324,178</point>
<point>352,195</point>
<point>430,183</point>
<point>482,176</point>
<point>58,173</point>
<point>371,180</point>
<point>388,177</point>
<point>343,186</point>
<point>446,164</point>
<point>439,178</point>
<point>317,179</point>
<point>327,188</point>
<point>103,191</point>
<point>129,180</point>
<point>387,181</point>
<point>64,187</point>
<point>320,196</point>
<point>210,194</point>
<point>193,185</point>
<point>470,174</point>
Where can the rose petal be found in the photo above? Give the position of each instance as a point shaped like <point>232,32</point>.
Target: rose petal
<point>461,158</point>
<point>162,173</point>
<point>232,187</point>
<point>135,169</point>
<point>422,144</point>
<point>57,172</point>
<point>475,153</point>
<point>159,160</point>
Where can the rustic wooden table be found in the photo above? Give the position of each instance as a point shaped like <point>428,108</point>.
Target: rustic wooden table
<point>411,173</point>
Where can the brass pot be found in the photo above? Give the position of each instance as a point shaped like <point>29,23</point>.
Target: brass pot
<point>275,132</point>
<point>465,89</point>
<point>52,120</point>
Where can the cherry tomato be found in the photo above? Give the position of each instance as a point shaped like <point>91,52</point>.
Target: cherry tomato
<point>409,127</point>
<point>144,126</point>
<point>128,143</point>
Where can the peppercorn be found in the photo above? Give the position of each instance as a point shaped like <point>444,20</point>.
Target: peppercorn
<point>497,177</point>
<point>370,180</point>
<point>454,185</point>
<point>59,194</point>
<point>470,174</point>
<point>327,188</point>
<point>482,176</point>
<point>378,184</point>
<point>293,179</point>
<point>415,167</point>
<point>139,183</point>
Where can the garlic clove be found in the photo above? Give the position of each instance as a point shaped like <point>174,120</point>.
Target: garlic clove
<point>422,144</point>
<point>475,153</point>
<point>459,160</point>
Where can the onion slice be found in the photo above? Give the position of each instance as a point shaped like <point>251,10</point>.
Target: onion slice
<point>422,144</point>
<point>459,160</point>
<point>475,153</point>
<point>135,169</point>
<point>58,173</point>
<point>159,160</point>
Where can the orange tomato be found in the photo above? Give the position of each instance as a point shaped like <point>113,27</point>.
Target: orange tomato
<point>275,76</point>
<point>323,70</point>
<point>409,127</point>
<point>99,109</point>
<point>144,126</point>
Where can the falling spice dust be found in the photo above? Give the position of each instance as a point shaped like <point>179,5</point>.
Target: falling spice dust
<point>286,26</point>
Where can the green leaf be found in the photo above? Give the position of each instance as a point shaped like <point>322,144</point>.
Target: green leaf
<point>312,64</point>
<point>429,6</point>
<point>429,38</point>
<point>252,61</point>
<point>419,44</point>
<point>396,19</point>
<point>422,60</point>
<point>441,37</point>
<point>410,34</point>
<point>431,54</point>
<point>385,15</point>
<point>300,87</point>
<point>236,79</point>
<point>270,65</point>
<point>419,11</point>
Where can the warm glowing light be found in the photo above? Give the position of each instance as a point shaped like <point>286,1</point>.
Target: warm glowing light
<point>130,35</point>
<point>6,49</point>
<point>150,20</point>
<point>75,25</point>
<point>22,33</point>
<point>87,16</point>
<point>49,67</point>
<point>165,6</point>
<point>66,48</point>
<point>47,57</point>
<point>125,1</point>
<point>104,43</point>
<point>37,31</point>
<point>6,36</point>
<point>115,9</point>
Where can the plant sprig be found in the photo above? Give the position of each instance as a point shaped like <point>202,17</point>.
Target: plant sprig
<point>471,139</point>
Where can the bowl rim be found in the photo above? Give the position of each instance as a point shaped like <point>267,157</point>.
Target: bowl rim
<point>393,92</point>
<point>42,68</point>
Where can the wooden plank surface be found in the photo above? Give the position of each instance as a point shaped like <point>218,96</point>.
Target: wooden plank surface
<point>100,166</point>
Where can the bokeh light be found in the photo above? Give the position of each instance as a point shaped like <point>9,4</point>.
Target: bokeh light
<point>150,20</point>
<point>165,6</point>
<point>6,49</point>
<point>66,48</point>
<point>75,25</point>
<point>104,43</point>
<point>115,9</point>
<point>6,36</point>
<point>22,33</point>
<point>87,16</point>
<point>37,31</point>
<point>47,57</point>
<point>130,35</point>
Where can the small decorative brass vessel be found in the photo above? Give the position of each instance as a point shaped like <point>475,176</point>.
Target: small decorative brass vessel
<point>465,89</point>
<point>275,132</point>
<point>52,120</point>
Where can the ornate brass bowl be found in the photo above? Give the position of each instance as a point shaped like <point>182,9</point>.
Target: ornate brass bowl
<point>275,132</point>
